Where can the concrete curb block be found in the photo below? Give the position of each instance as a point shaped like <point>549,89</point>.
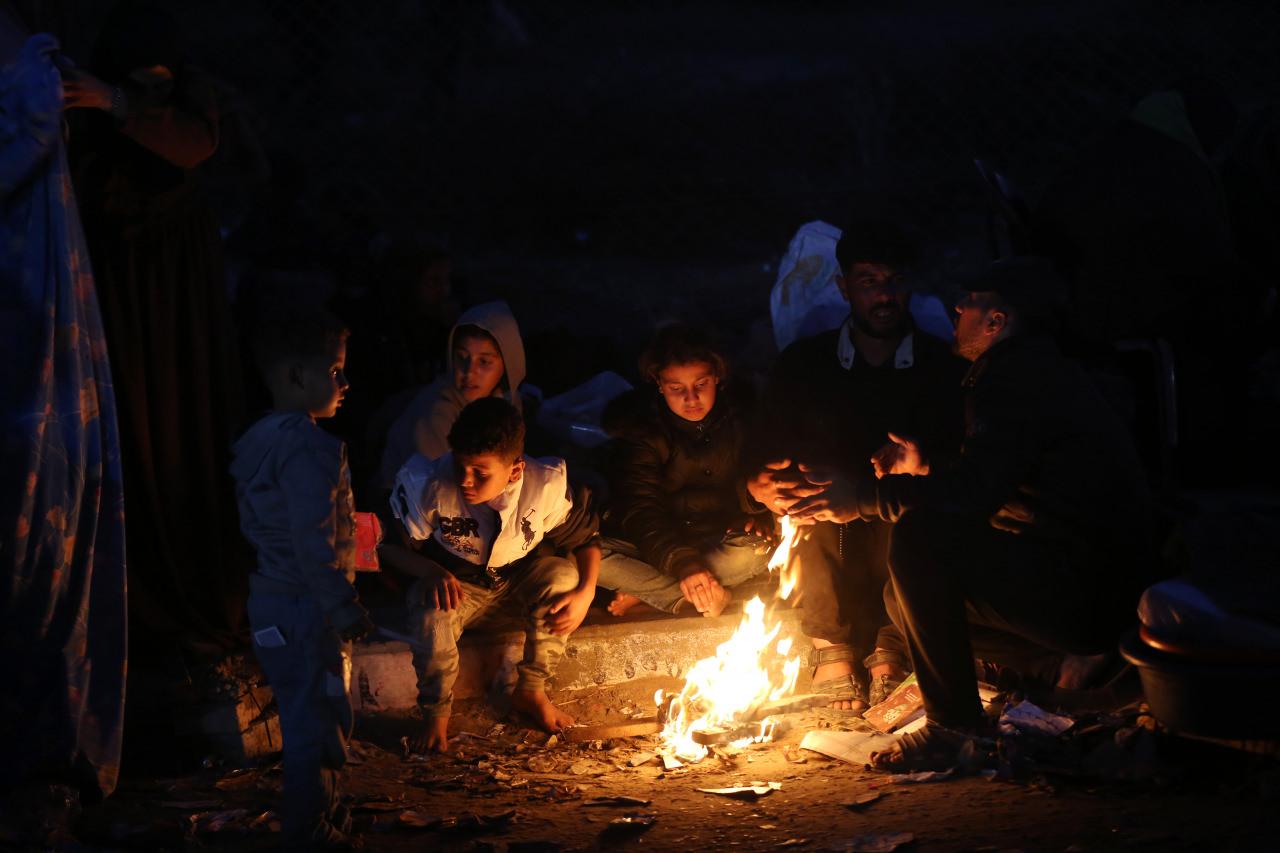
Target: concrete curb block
<point>382,677</point>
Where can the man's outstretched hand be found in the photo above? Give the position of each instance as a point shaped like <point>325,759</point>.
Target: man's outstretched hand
<point>830,497</point>
<point>779,487</point>
<point>900,455</point>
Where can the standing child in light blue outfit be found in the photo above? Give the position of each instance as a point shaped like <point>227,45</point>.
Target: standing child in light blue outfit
<point>293,489</point>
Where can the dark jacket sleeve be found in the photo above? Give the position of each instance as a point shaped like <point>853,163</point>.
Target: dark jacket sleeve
<point>642,506</point>
<point>999,451</point>
<point>581,527</point>
<point>312,477</point>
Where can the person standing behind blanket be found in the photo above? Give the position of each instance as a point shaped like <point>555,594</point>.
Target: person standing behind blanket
<point>293,488</point>
<point>677,486</point>
<point>485,359</point>
<point>142,123</point>
<point>494,527</point>
<point>830,400</point>
<point>1031,547</point>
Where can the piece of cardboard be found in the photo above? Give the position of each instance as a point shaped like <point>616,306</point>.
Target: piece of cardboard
<point>899,708</point>
<point>853,747</point>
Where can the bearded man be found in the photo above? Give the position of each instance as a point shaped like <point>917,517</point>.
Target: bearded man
<point>829,403</point>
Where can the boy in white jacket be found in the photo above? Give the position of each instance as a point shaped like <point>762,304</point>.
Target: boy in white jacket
<point>494,527</point>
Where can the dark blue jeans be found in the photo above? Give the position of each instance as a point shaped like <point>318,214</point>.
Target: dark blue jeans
<point>306,673</point>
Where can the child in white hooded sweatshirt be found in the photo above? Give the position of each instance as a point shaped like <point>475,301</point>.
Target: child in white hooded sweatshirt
<point>485,358</point>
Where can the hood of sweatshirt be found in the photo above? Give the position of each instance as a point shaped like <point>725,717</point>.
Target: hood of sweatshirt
<point>262,439</point>
<point>496,319</point>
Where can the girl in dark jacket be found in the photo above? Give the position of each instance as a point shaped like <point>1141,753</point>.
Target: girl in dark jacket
<point>677,486</point>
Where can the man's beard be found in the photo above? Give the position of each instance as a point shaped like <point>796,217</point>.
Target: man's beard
<point>896,329</point>
<point>968,350</point>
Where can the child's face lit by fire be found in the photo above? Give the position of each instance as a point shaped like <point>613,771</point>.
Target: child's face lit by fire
<point>477,367</point>
<point>484,476</point>
<point>322,382</point>
<point>689,389</point>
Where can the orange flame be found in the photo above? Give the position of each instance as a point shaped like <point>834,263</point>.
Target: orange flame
<point>749,669</point>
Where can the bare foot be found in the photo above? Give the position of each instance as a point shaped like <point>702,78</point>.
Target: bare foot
<point>622,602</point>
<point>838,669</point>
<point>535,704</point>
<point>719,601</point>
<point>433,738</point>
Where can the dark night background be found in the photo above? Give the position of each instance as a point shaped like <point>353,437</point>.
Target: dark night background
<point>609,167</point>
<point>648,161</point>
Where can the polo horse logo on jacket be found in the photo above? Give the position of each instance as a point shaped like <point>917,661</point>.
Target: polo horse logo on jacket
<point>526,528</point>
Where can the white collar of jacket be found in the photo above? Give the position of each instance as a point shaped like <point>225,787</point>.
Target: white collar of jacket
<point>426,498</point>
<point>904,357</point>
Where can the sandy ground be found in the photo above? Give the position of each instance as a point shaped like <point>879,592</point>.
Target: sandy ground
<point>504,788</point>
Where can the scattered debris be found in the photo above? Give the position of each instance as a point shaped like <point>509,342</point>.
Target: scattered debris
<point>670,762</point>
<point>616,801</point>
<point>745,792</point>
<point>853,747</point>
<point>861,801</point>
<point>190,805</point>
<point>879,842</point>
<point>1030,718</point>
<point>645,820</point>
<point>792,754</point>
<point>533,847</point>
<point>419,820</point>
<point>378,804</point>
<point>641,758</point>
<point>470,736</point>
<point>588,767</point>
<point>792,842</point>
<point>475,822</point>
<point>219,821</point>
<point>237,779</point>
<point>631,728</point>
<point>632,824</point>
<point>268,821</point>
<point>466,822</point>
<point>917,778</point>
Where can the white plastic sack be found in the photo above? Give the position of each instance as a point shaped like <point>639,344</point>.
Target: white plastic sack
<point>575,414</point>
<point>806,300</point>
<point>1180,612</point>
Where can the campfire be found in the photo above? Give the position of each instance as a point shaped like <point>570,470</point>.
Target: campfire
<point>727,699</point>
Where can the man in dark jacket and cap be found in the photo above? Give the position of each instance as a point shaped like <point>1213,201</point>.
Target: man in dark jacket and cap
<point>830,402</point>
<point>1031,548</point>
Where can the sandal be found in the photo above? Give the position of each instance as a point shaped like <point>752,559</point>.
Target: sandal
<point>933,747</point>
<point>842,688</point>
<point>882,686</point>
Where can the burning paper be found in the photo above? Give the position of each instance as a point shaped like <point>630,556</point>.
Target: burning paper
<point>723,695</point>
<point>722,692</point>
